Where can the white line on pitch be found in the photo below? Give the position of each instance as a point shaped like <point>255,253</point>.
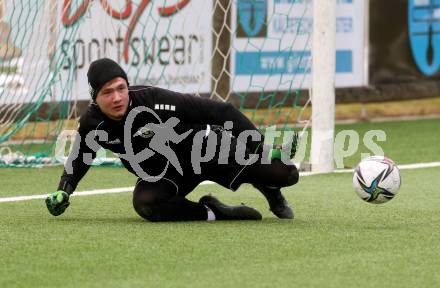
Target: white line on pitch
<point>402,167</point>
<point>79,193</point>
<point>130,189</point>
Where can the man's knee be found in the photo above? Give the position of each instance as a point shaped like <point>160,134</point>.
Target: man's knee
<point>148,211</point>
<point>146,206</point>
<point>293,175</point>
<point>288,174</point>
<point>145,212</point>
<point>148,200</point>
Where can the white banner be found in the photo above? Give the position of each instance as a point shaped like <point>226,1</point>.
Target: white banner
<point>166,43</point>
<point>162,43</point>
<point>273,44</point>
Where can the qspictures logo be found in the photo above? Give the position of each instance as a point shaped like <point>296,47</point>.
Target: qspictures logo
<point>424,34</point>
<point>252,18</point>
<point>213,144</point>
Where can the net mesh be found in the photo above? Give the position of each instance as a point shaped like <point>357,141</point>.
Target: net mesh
<point>252,53</point>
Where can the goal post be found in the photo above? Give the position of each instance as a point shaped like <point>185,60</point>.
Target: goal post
<point>323,86</point>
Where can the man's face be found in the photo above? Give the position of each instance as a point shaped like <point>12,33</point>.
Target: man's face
<point>112,99</point>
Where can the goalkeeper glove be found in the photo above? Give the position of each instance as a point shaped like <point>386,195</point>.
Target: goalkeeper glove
<point>57,202</point>
<point>277,150</point>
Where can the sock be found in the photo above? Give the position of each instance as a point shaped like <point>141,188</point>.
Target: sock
<point>211,215</point>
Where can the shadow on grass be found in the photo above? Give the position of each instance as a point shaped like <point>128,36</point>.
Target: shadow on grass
<point>139,220</point>
<point>97,220</point>
<point>268,222</point>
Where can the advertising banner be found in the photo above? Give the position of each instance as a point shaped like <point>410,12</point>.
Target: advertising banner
<point>405,44</point>
<point>47,46</point>
<point>162,43</point>
<point>272,45</point>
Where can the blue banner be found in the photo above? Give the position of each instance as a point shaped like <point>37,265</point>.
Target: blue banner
<point>285,62</point>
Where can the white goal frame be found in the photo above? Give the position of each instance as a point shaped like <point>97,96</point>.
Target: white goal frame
<point>323,85</point>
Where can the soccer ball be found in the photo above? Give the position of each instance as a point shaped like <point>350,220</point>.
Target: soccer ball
<point>376,179</point>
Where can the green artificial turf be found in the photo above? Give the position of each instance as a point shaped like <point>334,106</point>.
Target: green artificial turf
<point>336,239</point>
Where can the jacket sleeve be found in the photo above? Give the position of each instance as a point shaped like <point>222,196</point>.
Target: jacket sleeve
<point>198,110</point>
<point>78,162</point>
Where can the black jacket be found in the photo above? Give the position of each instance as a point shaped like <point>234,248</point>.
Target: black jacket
<point>193,112</point>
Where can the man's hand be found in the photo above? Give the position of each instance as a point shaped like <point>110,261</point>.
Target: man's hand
<point>277,151</point>
<point>57,202</point>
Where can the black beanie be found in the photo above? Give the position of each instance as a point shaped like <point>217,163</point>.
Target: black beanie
<point>100,72</point>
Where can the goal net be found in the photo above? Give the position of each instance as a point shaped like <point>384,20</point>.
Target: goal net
<point>255,54</point>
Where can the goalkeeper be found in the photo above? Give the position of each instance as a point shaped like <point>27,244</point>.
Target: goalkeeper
<point>172,142</point>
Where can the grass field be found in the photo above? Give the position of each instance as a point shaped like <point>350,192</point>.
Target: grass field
<point>406,141</point>
<point>336,240</point>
